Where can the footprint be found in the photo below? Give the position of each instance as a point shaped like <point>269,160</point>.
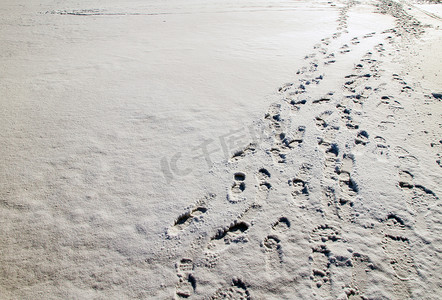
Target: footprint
<point>263,180</point>
<point>324,233</point>
<point>380,48</point>
<point>368,35</point>
<point>301,89</point>
<point>401,151</point>
<point>250,213</point>
<point>211,259</point>
<point>325,41</point>
<point>285,142</point>
<point>296,104</point>
<point>272,244</point>
<point>406,179</point>
<point>237,290</point>
<point>408,160</point>
<point>321,120</point>
<point>285,87</point>
<point>233,234</point>
<point>329,203</point>
<point>320,266</point>
<point>397,247</point>
<point>282,225</point>
<point>320,123</point>
<point>395,106</point>
<point>325,142</point>
<point>311,55</point>
<point>331,157</point>
<point>347,184</point>
<point>321,259</point>
<point>273,251</point>
<point>185,265</point>
<point>385,102</point>
<point>362,138</point>
<point>250,149</point>
<point>313,67</point>
<point>399,79</point>
<point>349,189</point>
<point>274,116</point>
<point>330,149</point>
<point>339,204</point>
<point>346,116</point>
<point>336,35</point>
<point>381,146</point>
<point>324,99</point>
<point>184,220</point>
<point>362,267</point>
<point>300,189</point>
<point>238,187</point>
<point>191,216</point>
<point>318,79</point>
<point>424,204</point>
<point>388,103</point>
<point>186,285</point>
<point>278,155</point>
<point>437,146</point>
<point>296,138</point>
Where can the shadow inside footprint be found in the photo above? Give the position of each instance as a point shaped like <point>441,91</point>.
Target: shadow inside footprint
<point>233,230</point>
<point>282,224</point>
<point>234,234</point>
<point>239,176</point>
